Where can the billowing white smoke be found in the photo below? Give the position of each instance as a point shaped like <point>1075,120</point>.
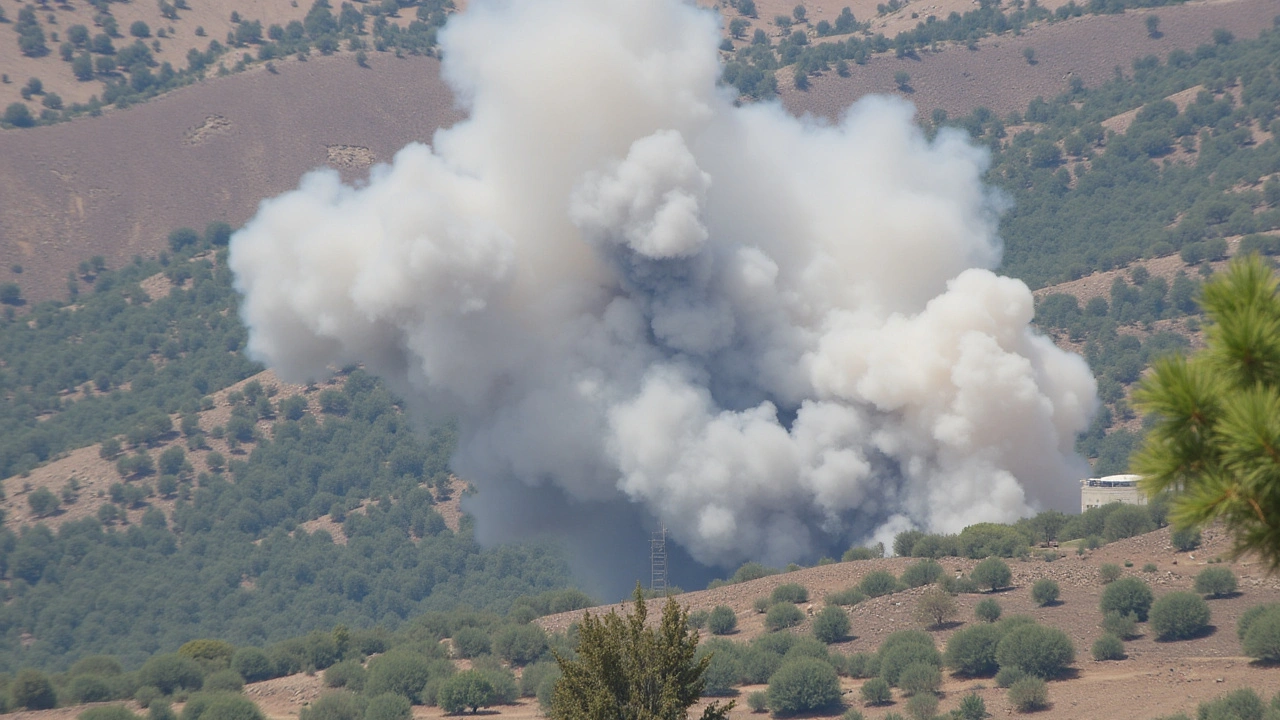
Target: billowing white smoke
<point>773,335</point>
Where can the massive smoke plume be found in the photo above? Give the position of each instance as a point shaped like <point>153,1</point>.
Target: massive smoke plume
<point>645,304</point>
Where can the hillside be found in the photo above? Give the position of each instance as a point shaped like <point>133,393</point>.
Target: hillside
<point>114,185</point>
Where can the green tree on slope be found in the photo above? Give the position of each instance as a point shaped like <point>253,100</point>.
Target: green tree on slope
<point>1216,439</point>
<point>626,671</point>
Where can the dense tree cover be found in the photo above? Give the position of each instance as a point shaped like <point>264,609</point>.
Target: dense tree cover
<point>230,561</point>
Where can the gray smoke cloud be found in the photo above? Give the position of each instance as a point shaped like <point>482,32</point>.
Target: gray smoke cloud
<point>773,335</point>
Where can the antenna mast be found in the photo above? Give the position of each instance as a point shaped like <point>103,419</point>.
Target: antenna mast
<point>658,562</point>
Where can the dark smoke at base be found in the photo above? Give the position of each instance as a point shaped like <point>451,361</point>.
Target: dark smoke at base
<point>651,306</point>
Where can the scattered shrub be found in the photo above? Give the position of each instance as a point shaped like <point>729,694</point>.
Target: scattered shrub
<point>1127,595</point>
<point>348,674</point>
<point>387,706</point>
<point>1185,539</point>
<point>1108,647</point>
<point>904,648</point>
<point>992,573</point>
<point>1038,650</point>
<point>987,610</point>
<point>1029,694</point>
<point>972,650</point>
<point>920,678</point>
<point>469,689</point>
<point>1179,615</point>
<point>876,692</point>
<point>220,706</point>
<point>1109,573</point>
<point>783,615</point>
<point>532,677</point>
<point>851,596</point>
<point>31,690</point>
<point>972,707</point>
<point>923,706</point>
<point>831,624</point>
<point>171,672</point>
<point>110,712</point>
<point>925,572</point>
<point>333,706</point>
<point>1242,704</point>
<point>252,664</point>
<point>520,644</point>
<point>722,620</point>
<point>1259,632</point>
<point>758,701</point>
<point>1124,627</point>
<point>1216,582</point>
<point>803,685</point>
<point>1044,592</point>
<point>790,592</point>
<point>223,680</point>
<point>861,553</point>
<point>877,583</point>
<point>1008,676</point>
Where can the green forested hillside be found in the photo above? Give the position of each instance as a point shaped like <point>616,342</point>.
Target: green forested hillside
<point>230,560</point>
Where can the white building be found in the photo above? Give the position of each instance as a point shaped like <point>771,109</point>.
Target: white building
<point>1096,492</point>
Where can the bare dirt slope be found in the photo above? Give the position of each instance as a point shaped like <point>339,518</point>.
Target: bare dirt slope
<point>116,185</point>
<point>998,76</point>
<point>1157,678</point>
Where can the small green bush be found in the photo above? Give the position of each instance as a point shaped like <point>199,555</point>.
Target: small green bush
<point>1179,616</point>
<point>1124,627</point>
<point>220,706</point>
<point>971,650</point>
<point>876,692</point>
<point>722,620</point>
<point>470,642</point>
<point>803,685</point>
<point>334,706</point>
<point>252,664</point>
<point>1216,582</point>
<point>1127,595</point>
<point>1259,632</point>
<point>1242,704</point>
<point>348,674</point>
<point>1008,676</point>
<point>1029,694</point>
<point>1038,650</point>
<point>904,648</point>
<point>698,619</point>
<point>925,572</point>
<point>110,712</point>
<point>992,573</point>
<point>790,592</point>
<point>920,677</point>
<point>860,553</point>
<point>783,615</point>
<point>877,583</point>
<point>972,707</point>
<point>923,706</point>
<point>987,610</point>
<point>831,624</point>
<point>534,674</point>
<point>223,680</point>
<point>1186,539</point>
<point>851,596</point>
<point>1044,592</point>
<point>388,706</point>
<point>852,714</point>
<point>761,605</point>
<point>1108,647</point>
<point>1109,573</point>
<point>758,701</point>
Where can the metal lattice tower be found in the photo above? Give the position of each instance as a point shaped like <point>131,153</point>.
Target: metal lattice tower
<point>658,562</point>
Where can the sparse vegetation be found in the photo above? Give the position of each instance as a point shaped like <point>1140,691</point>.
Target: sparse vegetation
<point>1127,596</point>
<point>1045,592</point>
<point>1179,616</point>
<point>1216,582</point>
<point>1108,647</point>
